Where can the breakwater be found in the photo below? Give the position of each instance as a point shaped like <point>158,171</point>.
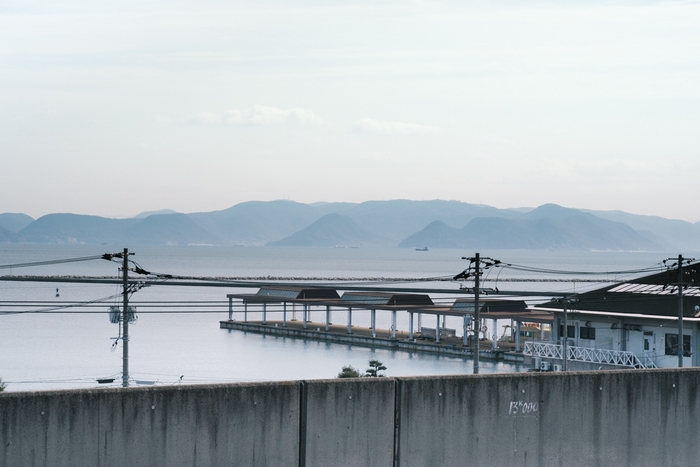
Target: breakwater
<point>623,418</point>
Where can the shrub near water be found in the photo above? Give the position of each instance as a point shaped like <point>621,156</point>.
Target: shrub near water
<point>349,372</point>
<point>375,366</point>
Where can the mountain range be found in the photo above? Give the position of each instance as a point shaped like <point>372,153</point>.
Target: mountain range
<point>402,223</point>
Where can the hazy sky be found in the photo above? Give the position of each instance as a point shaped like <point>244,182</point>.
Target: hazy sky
<point>113,108</point>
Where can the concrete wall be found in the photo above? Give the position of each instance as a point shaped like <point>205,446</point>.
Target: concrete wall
<point>623,418</point>
<point>349,422</point>
<point>242,424</point>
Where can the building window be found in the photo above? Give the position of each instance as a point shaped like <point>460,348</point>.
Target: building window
<point>672,345</point>
<point>571,334</point>
<point>587,333</point>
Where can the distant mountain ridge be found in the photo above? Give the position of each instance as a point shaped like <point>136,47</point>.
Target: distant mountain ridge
<point>8,236</point>
<point>14,222</point>
<point>150,213</point>
<point>333,230</point>
<point>542,228</point>
<point>405,223</point>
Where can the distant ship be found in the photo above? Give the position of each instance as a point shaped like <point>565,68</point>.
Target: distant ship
<point>425,248</point>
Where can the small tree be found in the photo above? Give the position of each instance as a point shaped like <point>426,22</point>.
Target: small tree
<point>2,385</point>
<point>375,366</point>
<point>349,372</point>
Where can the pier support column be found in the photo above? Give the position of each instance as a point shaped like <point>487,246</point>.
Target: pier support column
<point>420,321</point>
<point>374,323</point>
<point>304,320</point>
<point>437,330</point>
<point>465,326</point>
<point>284,315</point>
<point>517,336</point>
<point>230,308</point>
<point>349,320</point>
<point>328,316</point>
<point>245,312</point>
<point>393,324</point>
<point>410,326</point>
<point>494,334</point>
<point>264,312</point>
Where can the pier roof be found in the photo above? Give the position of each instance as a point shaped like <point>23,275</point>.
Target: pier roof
<point>330,297</point>
<point>288,294</point>
<point>491,309</point>
<point>385,299</point>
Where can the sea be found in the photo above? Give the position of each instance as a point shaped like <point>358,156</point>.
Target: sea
<point>48,343</point>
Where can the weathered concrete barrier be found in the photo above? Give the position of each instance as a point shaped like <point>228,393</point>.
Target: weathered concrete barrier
<point>622,418</point>
<point>348,423</point>
<point>240,424</point>
<point>629,418</point>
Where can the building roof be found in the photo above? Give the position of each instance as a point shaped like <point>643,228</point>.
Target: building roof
<point>490,305</point>
<point>288,294</point>
<point>655,295</point>
<point>385,299</point>
<point>325,296</point>
<point>491,308</point>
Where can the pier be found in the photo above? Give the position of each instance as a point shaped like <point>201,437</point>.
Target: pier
<point>420,309</point>
<point>362,336</point>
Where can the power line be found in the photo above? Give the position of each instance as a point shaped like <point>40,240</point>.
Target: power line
<point>517,267</point>
<point>55,261</point>
<point>70,305</point>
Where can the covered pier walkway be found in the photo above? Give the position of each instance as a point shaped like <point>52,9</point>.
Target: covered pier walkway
<point>283,302</point>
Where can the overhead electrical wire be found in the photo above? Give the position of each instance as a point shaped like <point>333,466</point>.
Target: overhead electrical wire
<point>154,278</point>
<point>517,267</point>
<point>50,262</point>
<point>55,308</point>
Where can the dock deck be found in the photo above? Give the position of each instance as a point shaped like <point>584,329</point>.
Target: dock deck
<point>362,336</point>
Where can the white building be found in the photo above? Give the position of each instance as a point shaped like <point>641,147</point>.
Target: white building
<point>633,324</point>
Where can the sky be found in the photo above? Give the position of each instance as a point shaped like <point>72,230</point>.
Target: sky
<point>113,108</point>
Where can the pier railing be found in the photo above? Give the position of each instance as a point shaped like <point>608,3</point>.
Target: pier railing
<point>589,355</point>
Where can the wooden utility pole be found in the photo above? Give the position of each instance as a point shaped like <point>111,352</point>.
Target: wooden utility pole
<point>477,325</point>
<point>680,311</point>
<point>565,348</point>
<point>125,320</point>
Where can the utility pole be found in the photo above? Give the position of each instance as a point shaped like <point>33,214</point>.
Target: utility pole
<point>565,348</point>
<point>680,311</point>
<point>476,273</point>
<point>125,320</point>
<point>477,326</point>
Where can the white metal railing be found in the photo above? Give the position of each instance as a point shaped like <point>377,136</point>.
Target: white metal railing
<point>648,360</point>
<point>587,354</point>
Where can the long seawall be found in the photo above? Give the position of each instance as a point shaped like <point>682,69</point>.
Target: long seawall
<point>622,418</point>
